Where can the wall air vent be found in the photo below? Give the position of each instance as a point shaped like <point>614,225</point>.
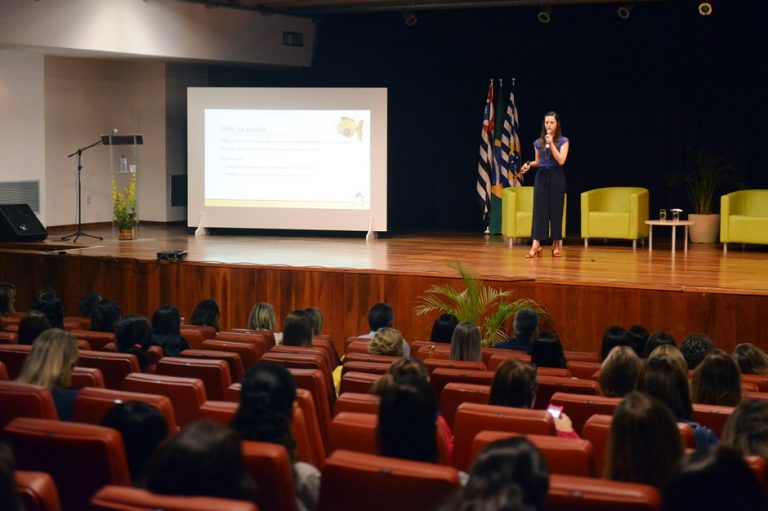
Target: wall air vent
<point>21,192</point>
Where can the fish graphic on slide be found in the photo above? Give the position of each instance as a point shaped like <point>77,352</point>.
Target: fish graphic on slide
<point>348,127</point>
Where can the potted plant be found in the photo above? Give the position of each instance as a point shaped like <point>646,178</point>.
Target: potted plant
<point>124,209</point>
<point>710,174</point>
<point>484,306</point>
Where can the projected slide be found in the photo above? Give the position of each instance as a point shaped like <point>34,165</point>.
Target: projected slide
<point>288,158</point>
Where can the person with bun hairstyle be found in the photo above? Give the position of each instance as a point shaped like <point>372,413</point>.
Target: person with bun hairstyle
<point>133,334</point>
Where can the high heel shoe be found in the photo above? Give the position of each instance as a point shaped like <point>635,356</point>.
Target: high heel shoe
<point>556,252</point>
<point>533,253</point>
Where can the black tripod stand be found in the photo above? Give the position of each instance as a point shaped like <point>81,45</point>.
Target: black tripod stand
<point>79,233</point>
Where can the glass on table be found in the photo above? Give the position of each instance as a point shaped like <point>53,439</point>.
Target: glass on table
<point>676,214</point>
<point>663,215</point>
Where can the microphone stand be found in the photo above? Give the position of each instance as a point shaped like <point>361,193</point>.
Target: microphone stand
<point>80,233</point>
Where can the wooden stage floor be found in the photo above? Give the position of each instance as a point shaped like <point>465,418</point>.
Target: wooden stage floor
<point>587,290</point>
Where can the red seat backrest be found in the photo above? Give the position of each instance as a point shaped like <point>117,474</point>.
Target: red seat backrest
<point>495,356</point>
<point>114,366</point>
<point>194,337</point>
<point>472,418</point>
<point>306,402</point>
<point>37,491</point>
<point>87,377</point>
<point>208,331</point>
<point>81,458</point>
<point>454,394</point>
<point>434,352</point>
<point>568,456</point>
<point>365,357</point>
<point>581,407</point>
<point>233,360</point>
<point>327,345</point>
<point>8,337</point>
<point>213,372</point>
<point>3,372</point>
<point>438,363</point>
<point>549,385</point>
<point>264,337</point>
<point>293,360</point>
<point>314,381</point>
<point>270,465</point>
<point>573,493</point>
<point>358,347</point>
<point>187,395</point>
<point>356,403</point>
<point>442,376</point>
<point>118,498</point>
<point>361,383</point>
<point>350,340</point>
<point>359,366</point>
<point>25,400</point>
<point>711,416</point>
<point>250,353</point>
<point>13,356</point>
<point>582,369</point>
<point>92,404</point>
<point>582,356</point>
<point>759,379</point>
<point>330,362</point>
<point>97,339</point>
<point>351,478</point>
<point>220,412</point>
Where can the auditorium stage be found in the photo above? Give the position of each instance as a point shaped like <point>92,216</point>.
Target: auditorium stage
<point>587,290</point>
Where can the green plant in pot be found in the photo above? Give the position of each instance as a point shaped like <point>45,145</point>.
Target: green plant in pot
<point>477,303</point>
<point>710,175</point>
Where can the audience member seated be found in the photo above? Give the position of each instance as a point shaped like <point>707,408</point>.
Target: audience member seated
<point>133,334</point>
<point>713,479</point>
<point>525,327</point>
<point>206,313</point>
<point>9,495</point>
<point>442,328</point>
<point>7,298</point>
<point>514,385</point>
<point>87,303</point>
<point>265,414</point>
<point>166,331</point>
<point>203,459</point>
<point>662,378</point>
<point>694,348</point>
<point>655,340</point>
<point>465,343</point>
<point>297,329</point>
<point>46,293</point>
<point>407,367</point>
<point>105,314</point>
<point>644,444</point>
<point>32,326</point>
<point>618,373</point>
<point>751,359</point>
<point>509,474</point>
<point>614,336</point>
<point>638,334</point>
<point>381,315</point>
<point>317,319</point>
<point>49,364</point>
<point>407,421</point>
<point>386,341</point>
<point>51,307</point>
<point>143,429</point>
<point>547,351</point>
<point>673,353</point>
<point>746,431</point>
<point>717,381</point>
<point>262,317</point>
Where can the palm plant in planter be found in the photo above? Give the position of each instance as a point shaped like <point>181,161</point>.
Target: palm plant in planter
<point>477,303</point>
<point>709,175</point>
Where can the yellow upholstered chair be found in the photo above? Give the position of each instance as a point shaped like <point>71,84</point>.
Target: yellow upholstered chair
<point>517,212</point>
<point>744,217</point>
<point>616,212</point>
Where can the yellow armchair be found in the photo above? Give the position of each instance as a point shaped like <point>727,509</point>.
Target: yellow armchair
<point>517,212</point>
<point>744,217</point>
<point>615,212</point>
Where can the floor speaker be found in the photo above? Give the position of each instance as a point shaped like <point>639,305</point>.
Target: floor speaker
<point>19,223</point>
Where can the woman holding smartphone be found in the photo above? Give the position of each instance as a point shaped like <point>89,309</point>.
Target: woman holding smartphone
<point>551,150</point>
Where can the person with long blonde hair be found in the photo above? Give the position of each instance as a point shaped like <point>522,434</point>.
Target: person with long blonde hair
<point>262,317</point>
<point>49,364</point>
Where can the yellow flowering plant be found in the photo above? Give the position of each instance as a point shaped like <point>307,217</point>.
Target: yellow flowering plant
<point>124,204</point>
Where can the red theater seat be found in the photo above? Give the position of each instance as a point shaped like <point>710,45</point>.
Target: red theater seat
<point>580,407</point>
<point>711,416</point>
<point>213,372</point>
<point>262,337</point>
<point>220,412</point>
<point>186,394</point>
<point>442,376</point>
<point>92,404</point>
<point>760,380</point>
<point>25,400</point>
<point>456,393</point>
<point>564,455</point>
<point>305,360</point>
<point>549,385</point>
<point>97,339</point>
<point>384,484</point>
<point>3,372</point>
<point>37,491</point>
<point>350,340</point>
<point>356,403</point>
<point>582,369</point>
<point>357,347</point>
<point>81,458</point>
<point>87,377</point>
<point>365,357</point>
<point>358,366</point>
<point>326,345</point>
<point>573,493</point>
<point>305,401</point>
<point>233,360</point>
<point>493,357</point>
<point>114,366</point>
<point>8,337</point>
<point>361,383</point>
<point>208,331</point>
<point>118,498</point>
<point>194,338</point>
<point>437,363</point>
<point>270,465</point>
<point>330,362</point>
<point>249,352</point>
<point>581,356</point>
<point>472,418</point>
<point>13,356</point>
<point>323,396</point>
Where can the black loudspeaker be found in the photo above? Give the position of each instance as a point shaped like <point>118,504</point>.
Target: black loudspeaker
<point>19,223</point>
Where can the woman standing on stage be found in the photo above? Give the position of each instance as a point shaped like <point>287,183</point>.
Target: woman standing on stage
<point>549,186</point>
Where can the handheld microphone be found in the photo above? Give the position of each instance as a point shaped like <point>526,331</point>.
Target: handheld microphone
<point>548,133</point>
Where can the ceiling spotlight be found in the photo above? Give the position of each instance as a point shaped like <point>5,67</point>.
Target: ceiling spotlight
<point>409,18</point>
<point>705,8</point>
<point>545,14</point>
<point>625,10</point>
